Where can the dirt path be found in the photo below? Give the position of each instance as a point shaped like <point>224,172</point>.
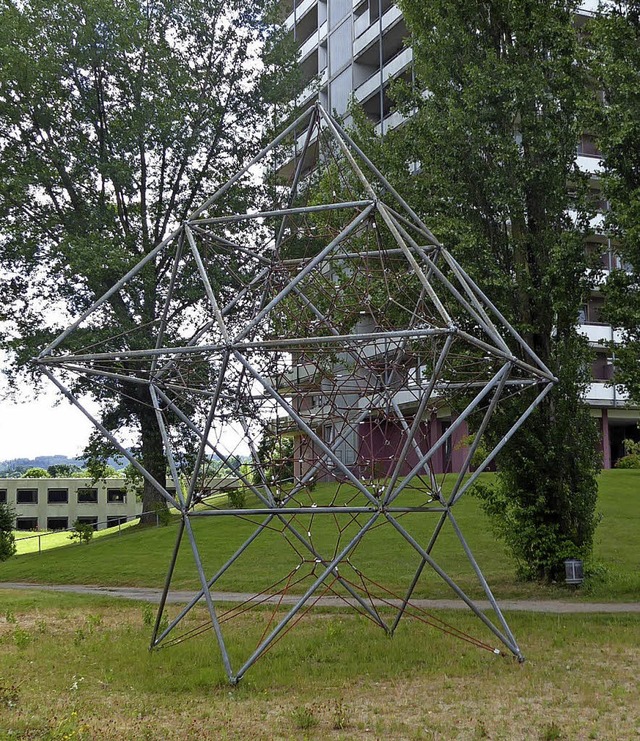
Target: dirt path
<point>145,594</point>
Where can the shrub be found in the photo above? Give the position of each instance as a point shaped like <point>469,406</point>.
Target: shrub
<point>628,461</point>
<point>236,498</point>
<point>631,459</point>
<point>7,538</point>
<point>82,531</point>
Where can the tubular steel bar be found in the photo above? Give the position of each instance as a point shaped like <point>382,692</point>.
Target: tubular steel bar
<point>167,584</point>
<point>283,212</point>
<point>527,412</point>
<point>121,449</point>
<point>448,434</point>
<point>448,580</point>
<point>242,374</point>
<point>483,582</point>
<point>207,595</point>
<point>298,606</point>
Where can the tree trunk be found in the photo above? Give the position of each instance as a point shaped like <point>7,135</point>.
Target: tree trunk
<point>153,503</point>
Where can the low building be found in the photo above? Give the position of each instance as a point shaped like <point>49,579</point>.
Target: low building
<point>56,504</point>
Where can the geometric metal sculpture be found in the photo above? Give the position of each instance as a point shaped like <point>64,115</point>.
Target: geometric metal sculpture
<point>347,350</point>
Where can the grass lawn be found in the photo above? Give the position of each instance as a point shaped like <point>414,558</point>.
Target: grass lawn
<point>29,542</point>
<point>76,667</point>
<point>140,557</point>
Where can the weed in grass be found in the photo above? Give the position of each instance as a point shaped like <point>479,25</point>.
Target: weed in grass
<point>164,622</point>
<point>147,615</point>
<point>78,636</point>
<point>9,696</point>
<point>304,718</point>
<point>75,683</point>
<point>21,638</point>
<point>10,617</point>
<point>68,729</point>
<point>480,731</point>
<point>94,621</point>
<point>340,716</point>
<point>552,732</point>
<point>41,626</point>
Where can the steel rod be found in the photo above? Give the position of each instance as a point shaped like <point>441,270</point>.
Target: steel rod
<point>453,427</point>
<point>505,439</point>
<point>264,151</point>
<point>207,595</point>
<point>121,449</point>
<point>289,210</point>
<point>167,585</point>
<point>301,602</point>
<point>483,582</point>
<point>449,581</point>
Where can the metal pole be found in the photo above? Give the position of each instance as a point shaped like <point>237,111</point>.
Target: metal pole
<point>207,595</point>
<point>504,440</point>
<point>483,582</point>
<point>167,585</point>
<point>103,299</point>
<point>223,189</point>
<point>448,580</point>
<point>123,451</point>
<point>443,438</point>
<point>419,570</point>
<point>298,606</point>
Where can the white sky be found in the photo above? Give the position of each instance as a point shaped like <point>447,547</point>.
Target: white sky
<point>38,427</point>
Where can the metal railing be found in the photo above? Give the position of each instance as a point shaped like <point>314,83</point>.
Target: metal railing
<point>122,520</point>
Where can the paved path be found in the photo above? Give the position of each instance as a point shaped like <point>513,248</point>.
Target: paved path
<point>146,594</point>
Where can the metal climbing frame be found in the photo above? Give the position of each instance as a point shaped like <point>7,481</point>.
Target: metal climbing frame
<point>332,324</point>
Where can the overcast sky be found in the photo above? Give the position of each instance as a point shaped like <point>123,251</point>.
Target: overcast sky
<point>39,428</point>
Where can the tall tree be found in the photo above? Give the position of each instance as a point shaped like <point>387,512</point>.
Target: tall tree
<point>615,44</point>
<point>117,117</point>
<point>496,136</point>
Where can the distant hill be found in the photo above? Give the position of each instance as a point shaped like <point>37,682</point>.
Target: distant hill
<point>20,465</point>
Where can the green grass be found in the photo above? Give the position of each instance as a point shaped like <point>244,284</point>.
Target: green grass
<point>140,557</point>
<point>29,542</point>
<point>76,667</point>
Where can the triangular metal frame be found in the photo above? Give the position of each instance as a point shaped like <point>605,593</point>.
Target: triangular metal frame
<point>438,274</point>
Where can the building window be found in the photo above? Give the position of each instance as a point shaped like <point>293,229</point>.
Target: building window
<point>3,496</point>
<point>116,496</point>
<point>588,147</point>
<point>57,523</point>
<point>87,496</point>
<point>27,496</point>
<point>27,523</point>
<point>602,368</point>
<point>115,520</point>
<point>57,496</point>
<point>591,313</point>
<point>88,521</point>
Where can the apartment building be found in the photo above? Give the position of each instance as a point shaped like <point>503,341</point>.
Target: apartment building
<point>56,504</point>
<point>353,49</point>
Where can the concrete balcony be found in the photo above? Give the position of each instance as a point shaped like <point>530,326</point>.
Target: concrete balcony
<point>302,9</point>
<point>310,93</point>
<point>390,122</point>
<point>598,334</point>
<point>366,34</point>
<point>589,164</point>
<point>394,68</point>
<point>606,395</point>
<point>309,46</point>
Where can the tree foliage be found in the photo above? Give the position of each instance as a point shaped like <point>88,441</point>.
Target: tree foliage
<point>116,120</point>
<point>495,137</point>
<point>7,538</point>
<point>615,45</point>
<point>35,473</point>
